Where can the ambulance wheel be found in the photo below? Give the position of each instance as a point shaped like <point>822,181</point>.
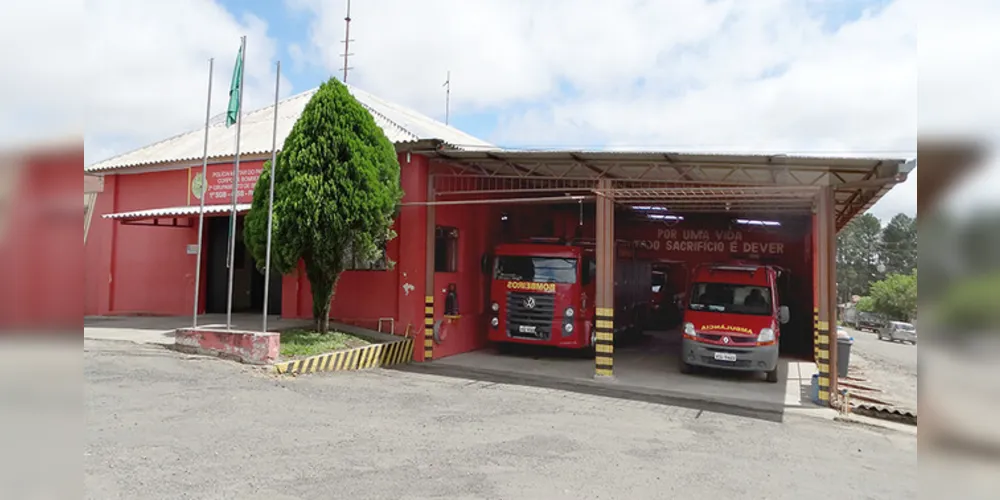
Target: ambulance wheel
<point>590,351</point>
<point>686,368</point>
<point>772,376</point>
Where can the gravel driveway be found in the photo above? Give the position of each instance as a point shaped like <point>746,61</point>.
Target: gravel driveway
<point>162,425</point>
<point>888,366</point>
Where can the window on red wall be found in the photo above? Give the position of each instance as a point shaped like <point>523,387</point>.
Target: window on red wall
<point>446,249</point>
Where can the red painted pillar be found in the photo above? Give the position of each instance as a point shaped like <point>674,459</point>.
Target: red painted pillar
<point>412,244</point>
<point>97,251</point>
<point>113,249</point>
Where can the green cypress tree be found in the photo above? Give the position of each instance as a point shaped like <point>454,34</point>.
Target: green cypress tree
<point>336,193</point>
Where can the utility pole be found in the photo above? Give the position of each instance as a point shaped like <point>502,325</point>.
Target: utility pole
<point>347,40</point>
<point>447,98</point>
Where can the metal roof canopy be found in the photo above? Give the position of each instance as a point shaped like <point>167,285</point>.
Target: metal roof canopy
<point>403,126</point>
<point>178,216</point>
<point>686,181</point>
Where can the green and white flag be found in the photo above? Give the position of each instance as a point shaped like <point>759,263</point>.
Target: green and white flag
<point>234,90</point>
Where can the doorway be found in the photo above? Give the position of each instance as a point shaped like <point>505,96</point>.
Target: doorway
<point>248,281</point>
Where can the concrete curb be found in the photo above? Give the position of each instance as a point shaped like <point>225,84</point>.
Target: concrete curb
<point>390,353</point>
<point>255,348</point>
<point>773,412</point>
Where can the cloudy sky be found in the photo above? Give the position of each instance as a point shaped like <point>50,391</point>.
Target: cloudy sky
<point>826,77</point>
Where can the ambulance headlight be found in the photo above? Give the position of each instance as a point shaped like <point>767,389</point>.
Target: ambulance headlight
<point>568,327</point>
<point>569,312</point>
<point>766,335</point>
<point>689,330</point>
<point>495,307</point>
<point>495,322</point>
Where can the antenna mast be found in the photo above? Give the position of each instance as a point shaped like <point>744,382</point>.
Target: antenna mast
<point>447,98</point>
<point>347,40</point>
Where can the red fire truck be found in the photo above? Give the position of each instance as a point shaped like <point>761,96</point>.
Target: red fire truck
<point>543,292</point>
<point>733,319</point>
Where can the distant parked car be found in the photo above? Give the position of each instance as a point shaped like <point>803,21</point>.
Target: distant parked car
<point>899,331</point>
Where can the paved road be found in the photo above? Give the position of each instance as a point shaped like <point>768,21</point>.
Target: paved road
<point>890,366</point>
<point>165,425</point>
<point>903,356</point>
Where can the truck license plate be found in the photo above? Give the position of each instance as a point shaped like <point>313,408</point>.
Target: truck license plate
<point>725,356</point>
<point>526,329</point>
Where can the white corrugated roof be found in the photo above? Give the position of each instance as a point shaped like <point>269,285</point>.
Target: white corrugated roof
<point>399,123</point>
<point>177,211</point>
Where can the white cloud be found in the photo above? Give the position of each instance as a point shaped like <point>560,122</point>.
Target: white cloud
<point>723,75</point>
<point>959,95</point>
<point>148,64</point>
<point>684,74</point>
<point>43,74</point>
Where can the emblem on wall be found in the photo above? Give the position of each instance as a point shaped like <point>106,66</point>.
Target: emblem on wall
<point>197,185</point>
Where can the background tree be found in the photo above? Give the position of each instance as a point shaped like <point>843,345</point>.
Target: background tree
<point>896,296</point>
<point>858,257</point>
<point>899,245</point>
<point>336,193</point>
<point>866,304</point>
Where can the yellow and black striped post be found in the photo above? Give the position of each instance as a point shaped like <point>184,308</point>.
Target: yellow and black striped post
<point>605,345</point>
<point>429,328</point>
<point>815,334</point>
<point>823,359</point>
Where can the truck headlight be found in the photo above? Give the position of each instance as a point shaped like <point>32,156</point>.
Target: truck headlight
<point>568,327</point>
<point>569,312</point>
<point>766,335</point>
<point>495,322</point>
<point>495,307</point>
<point>689,330</point>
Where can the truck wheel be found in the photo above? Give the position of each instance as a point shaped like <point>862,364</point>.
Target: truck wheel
<point>772,376</point>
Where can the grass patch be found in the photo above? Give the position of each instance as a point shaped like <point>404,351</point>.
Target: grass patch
<point>300,342</point>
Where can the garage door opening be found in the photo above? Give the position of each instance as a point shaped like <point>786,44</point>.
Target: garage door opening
<point>248,280</point>
<point>543,265</point>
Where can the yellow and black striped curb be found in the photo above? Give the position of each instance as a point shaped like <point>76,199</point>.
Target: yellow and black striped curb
<point>358,358</point>
<point>605,345</point>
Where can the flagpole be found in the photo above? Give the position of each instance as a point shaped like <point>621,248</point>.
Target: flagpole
<point>270,202</point>
<point>236,181</point>
<point>201,212</point>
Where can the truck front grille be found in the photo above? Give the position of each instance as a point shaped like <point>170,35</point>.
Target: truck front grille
<point>734,340</point>
<point>539,316</point>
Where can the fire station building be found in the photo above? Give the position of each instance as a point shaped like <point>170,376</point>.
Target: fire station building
<point>463,198</point>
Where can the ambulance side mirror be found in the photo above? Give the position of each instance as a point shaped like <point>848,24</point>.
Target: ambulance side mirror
<point>484,264</point>
<point>783,314</point>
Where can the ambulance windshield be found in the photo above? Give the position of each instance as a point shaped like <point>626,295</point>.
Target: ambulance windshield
<point>730,298</point>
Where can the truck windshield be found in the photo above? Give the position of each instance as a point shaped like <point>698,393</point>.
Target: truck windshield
<point>731,298</point>
<point>537,269</point>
